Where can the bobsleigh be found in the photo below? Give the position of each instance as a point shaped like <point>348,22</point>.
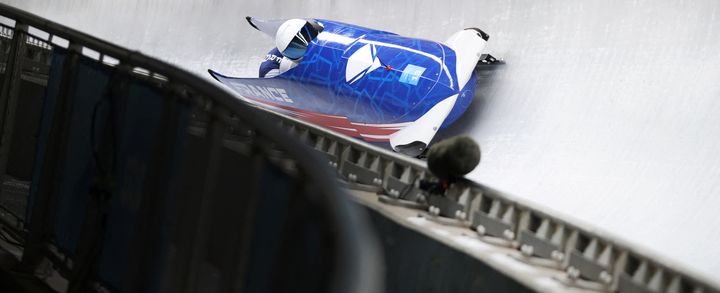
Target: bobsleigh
<point>372,84</point>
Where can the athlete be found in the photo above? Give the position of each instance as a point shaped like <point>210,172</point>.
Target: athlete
<point>291,41</point>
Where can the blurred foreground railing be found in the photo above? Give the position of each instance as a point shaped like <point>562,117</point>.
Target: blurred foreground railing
<point>128,174</point>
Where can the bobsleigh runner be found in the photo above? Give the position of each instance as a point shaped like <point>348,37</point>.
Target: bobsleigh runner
<point>367,83</point>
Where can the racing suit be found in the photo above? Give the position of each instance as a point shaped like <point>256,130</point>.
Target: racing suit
<point>275,64</point>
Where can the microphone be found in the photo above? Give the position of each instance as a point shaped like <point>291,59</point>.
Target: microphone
<point>453,158</point>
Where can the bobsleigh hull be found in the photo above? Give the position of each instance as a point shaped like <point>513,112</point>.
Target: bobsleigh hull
<point>369,84</point>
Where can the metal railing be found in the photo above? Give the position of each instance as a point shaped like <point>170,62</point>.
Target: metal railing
<point>219,128</point>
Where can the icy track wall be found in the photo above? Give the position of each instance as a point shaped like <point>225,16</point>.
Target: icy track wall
<point>607,112</point>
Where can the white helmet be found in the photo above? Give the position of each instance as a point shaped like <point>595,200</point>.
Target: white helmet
<point>294,35</point>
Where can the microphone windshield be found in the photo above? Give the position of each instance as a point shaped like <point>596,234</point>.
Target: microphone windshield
<point>453,157</point>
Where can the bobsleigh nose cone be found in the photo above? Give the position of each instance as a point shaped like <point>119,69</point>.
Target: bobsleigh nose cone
<point>480,33</point>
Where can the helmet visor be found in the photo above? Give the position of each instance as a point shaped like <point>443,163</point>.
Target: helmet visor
<point>296,49</point>
<point>298,45</point>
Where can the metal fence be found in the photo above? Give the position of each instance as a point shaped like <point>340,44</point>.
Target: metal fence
<point>128,174</point>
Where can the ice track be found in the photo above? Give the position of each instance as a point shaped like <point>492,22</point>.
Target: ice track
<point>607,111</point>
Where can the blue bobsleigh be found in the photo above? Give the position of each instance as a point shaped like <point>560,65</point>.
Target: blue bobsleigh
<point>372,84</point>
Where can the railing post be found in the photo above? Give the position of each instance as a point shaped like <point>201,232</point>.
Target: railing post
<point>154,198</point>
<point>38,235</point>
<point>214,136</point>
<point>89,244</point>
<point>10,92</point>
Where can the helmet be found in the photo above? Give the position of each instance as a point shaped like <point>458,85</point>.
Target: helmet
<point>294,35</point>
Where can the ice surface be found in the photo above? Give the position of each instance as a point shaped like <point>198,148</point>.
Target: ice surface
<point>607,111</point>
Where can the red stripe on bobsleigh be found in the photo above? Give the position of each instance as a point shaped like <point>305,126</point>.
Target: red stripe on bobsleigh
<point>340,124</point>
